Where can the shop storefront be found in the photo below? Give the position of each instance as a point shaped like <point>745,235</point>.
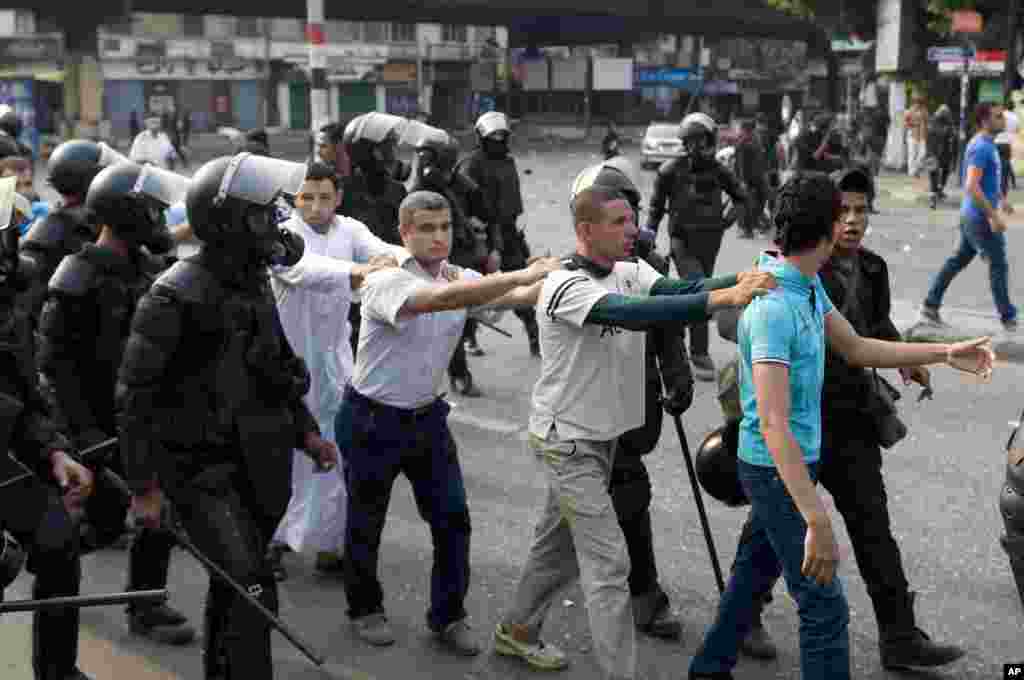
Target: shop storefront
<point>31,81</point>
<point>451,98</point>
<point>398,79</point>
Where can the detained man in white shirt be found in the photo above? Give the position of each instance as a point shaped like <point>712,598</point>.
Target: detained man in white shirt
<point>313,299</point>
<point>393,421</point>
<point>591,391</point>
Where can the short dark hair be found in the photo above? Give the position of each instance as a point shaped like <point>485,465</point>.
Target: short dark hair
<point>854,180</point>
<point>420,200</point>
<point>320,171</point>
<point>807,208</point>
<point>982,112</point>
<point>588,205</point>
<point>333,132</point>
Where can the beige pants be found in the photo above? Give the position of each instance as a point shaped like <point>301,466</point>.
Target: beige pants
<point>579,537</point>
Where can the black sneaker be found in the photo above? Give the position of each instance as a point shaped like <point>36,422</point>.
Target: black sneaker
<point>1010,326</point>
<point>161,624</point>
<point>703,367</point>
<point>916,650</point>
<point>930,316</point>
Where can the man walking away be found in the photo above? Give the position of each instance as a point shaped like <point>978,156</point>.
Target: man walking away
<point>982,229</point>
<point>1004,142</point>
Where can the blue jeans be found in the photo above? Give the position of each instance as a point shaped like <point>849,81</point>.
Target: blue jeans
<point>775,545</point>
<point>977,238</point>
<point>377,443</point>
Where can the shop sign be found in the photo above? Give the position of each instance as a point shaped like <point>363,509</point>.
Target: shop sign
<point>183,69</point>
<point>398,72</point>
<point>36,48</point>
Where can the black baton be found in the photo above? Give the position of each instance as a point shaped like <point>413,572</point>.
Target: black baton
<point>700,504</point>
<point>130,597</point>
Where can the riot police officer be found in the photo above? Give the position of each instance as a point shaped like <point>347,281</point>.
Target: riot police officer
<point>83,328</point>
<point>436,157</point>
<point>630,488</point>
<point>38,510</point>
<point>374,190</point>
<point>70,169</point>
<point>690,189</point>
<point>211,399</point>
<point>10,126</point>
<point>493,169</point>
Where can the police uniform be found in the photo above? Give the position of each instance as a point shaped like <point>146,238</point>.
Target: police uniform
<point>691,193</point>
<point>211,398</point>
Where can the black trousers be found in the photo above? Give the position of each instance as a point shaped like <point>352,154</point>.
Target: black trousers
<point>694,253</point>
<point>1005,156</point>
<point>50,536</point>
<point>514,255</point>
<point>940,175</point>
<point>851,470</point>
<point>631,496</point>
<point>228,522</point>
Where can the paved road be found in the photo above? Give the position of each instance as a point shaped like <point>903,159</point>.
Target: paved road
<point>943,483</point>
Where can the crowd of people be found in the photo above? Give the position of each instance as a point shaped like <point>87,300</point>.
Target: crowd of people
<point>263,393</point>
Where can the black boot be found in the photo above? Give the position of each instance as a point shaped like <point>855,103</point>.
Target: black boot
<point>147,569</point>
<point>903,645</point>
<point>215,613</point>
<point>465,386</point>
<point>758,644</point>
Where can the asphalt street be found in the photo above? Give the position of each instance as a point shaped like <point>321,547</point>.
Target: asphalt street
<point>943,482</point>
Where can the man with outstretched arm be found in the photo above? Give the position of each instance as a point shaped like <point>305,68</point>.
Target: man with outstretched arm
<point>590,392</point>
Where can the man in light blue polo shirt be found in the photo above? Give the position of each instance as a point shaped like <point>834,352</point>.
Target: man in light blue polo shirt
<point>982,228</point>
<point>782,369</point>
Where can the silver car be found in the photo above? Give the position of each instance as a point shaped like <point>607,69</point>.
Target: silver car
<point>661,143</point>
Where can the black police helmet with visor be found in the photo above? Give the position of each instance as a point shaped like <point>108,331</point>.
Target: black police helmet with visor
<point>73,164</point>
<point>371,141</point>
<point>699,134</point>
<point>131,199</point>
<point>10,124</point>
<point>237,202</point>
<point>436,156</point>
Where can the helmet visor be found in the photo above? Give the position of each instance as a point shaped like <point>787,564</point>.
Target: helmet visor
<point>260,179</point>
<point>374,127</point>
<point>163,185</point>
<point>110,156</point>
<point>492,122</point>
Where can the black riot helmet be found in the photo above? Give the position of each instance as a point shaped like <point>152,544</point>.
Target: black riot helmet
<point>10,124</point>
<point>131,199</point>
<point>234,202</point>
<point>612,176</point>
<point>9,147</point>
<point>371,141</point>
<point>699,134</point>
<point>493,131</point>
<point>437,153</point>
<point>74,163</point>
<point>717,466</point>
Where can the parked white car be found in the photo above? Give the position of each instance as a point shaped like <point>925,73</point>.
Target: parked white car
<point>661,143</point>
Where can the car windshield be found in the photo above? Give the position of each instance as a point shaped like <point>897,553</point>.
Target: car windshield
<point>663,132</point>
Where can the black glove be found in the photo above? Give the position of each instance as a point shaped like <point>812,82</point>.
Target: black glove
<point>679,398</point>
<point>292,246</point>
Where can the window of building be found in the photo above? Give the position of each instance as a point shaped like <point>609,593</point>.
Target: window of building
<point>250,27</point>
<point>453,33</point>
<point>192,25</point>
<point>221,26</point>
<point>376,31</point>
<point>343,31</point>
<point>24,22</point>
<point>401,32</point>
<point>482,34</point>
<point>292,30</point>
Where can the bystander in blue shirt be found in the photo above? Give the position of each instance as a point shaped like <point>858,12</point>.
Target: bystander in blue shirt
<point>983,154</point>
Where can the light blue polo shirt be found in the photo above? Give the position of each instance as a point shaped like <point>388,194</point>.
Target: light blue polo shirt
<point>787,326</point>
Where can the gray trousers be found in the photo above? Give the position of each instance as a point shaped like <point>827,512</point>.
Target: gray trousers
<point>579,537</point>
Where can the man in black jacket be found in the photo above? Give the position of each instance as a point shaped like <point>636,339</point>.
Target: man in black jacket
<point>210,398</point>
<point>857,282</point>
<point>38,511</point>
<point>83,328</point>
<point>752,171</point>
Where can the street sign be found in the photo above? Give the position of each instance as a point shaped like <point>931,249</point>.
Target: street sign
<point>977,68</point>
<point>949,54</point>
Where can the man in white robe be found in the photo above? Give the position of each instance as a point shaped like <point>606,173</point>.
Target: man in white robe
<point>313,299</point>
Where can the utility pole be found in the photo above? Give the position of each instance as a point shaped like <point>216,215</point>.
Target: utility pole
<point>1010,70</point>
<point>319,112</point>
